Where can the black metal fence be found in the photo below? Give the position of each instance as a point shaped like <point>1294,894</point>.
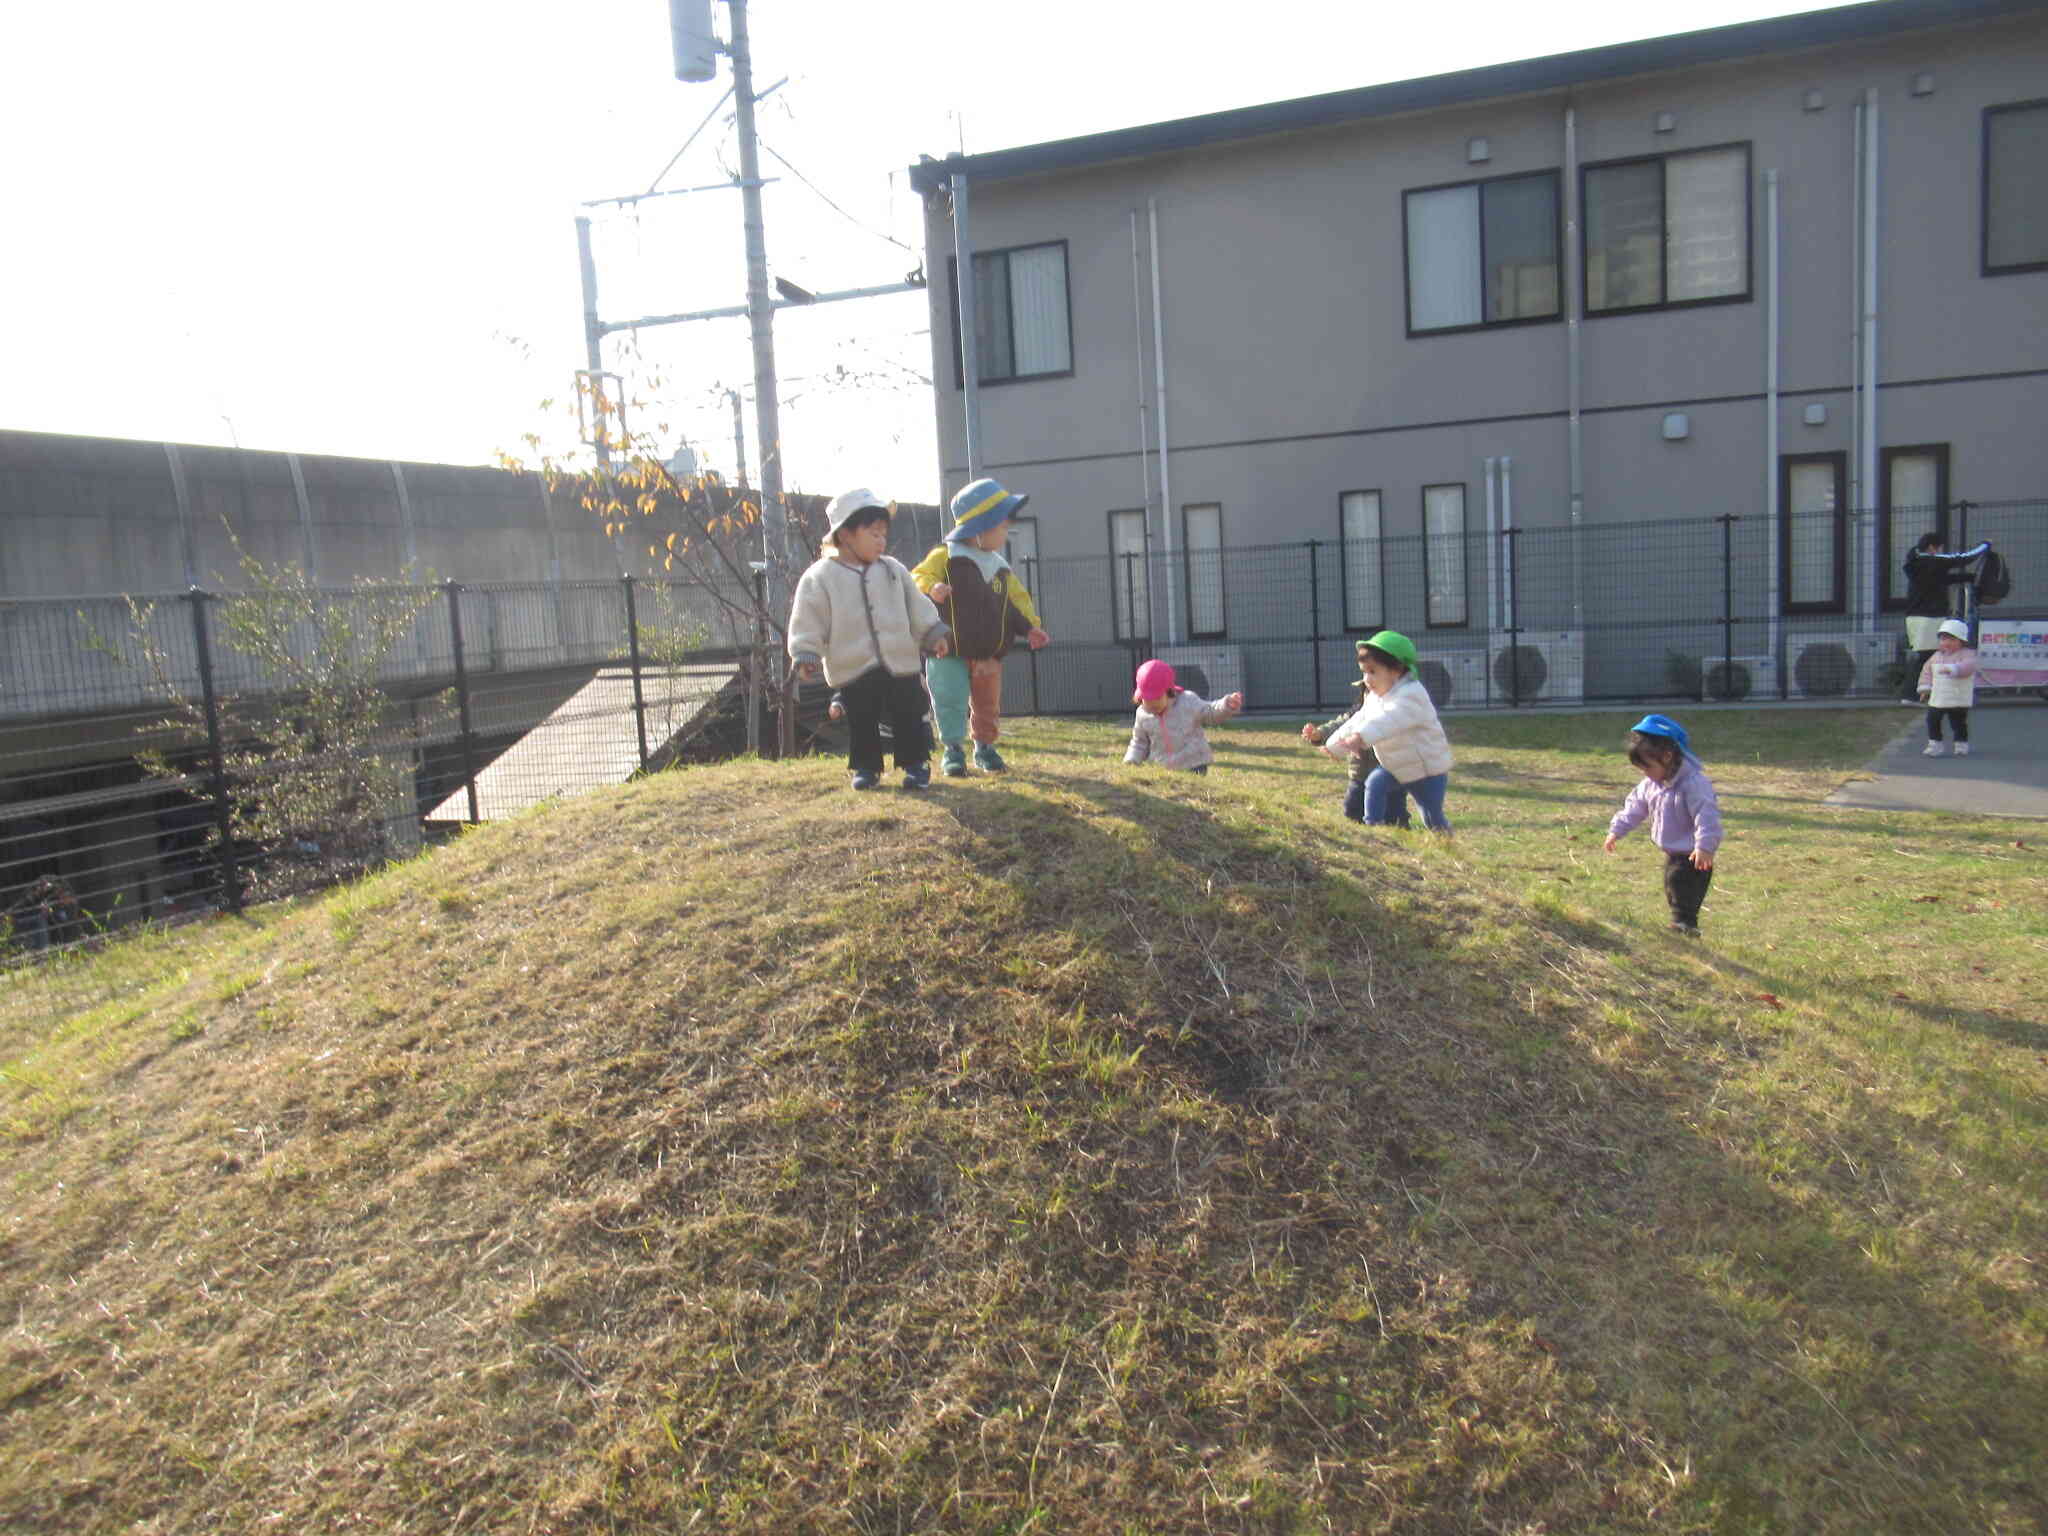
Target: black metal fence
<point>1721,608</point>
<point>193,752</point>
<point>196,751</point>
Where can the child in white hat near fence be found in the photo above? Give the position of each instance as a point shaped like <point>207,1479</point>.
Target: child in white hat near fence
<point>1948,684</point>
<point>859,617</point>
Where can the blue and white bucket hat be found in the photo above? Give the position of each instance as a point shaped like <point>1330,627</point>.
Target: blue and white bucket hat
<point>981,506</point>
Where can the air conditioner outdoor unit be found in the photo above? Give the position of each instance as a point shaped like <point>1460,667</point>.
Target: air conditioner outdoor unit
<point>1728,680</point>
<point>1839,666</point>
<point>1209,670</point>
<point>1455,679</point>
<point>1538,666</point>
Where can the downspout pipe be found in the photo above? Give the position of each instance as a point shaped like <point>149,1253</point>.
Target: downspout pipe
<point>1772,510</point>
<point>1144,419</point>
<point>1856,314</point>
<point>970,362</point>
<point>1867,538</point>
<point>1574,366</point>
<point>1159,390</point>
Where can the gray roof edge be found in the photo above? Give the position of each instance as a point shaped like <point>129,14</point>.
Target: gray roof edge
<point>1777,34</point>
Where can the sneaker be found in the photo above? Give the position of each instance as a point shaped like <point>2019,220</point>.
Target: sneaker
<point>1962,749</point>
<point>1685,930</point>
<point>1935,749</point>
<point>954,764</point>
<point>919,777</point>
<point>866,780</point>
<point>989,760</point>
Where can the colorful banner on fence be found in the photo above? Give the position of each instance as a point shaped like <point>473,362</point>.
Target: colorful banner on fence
<point>2011,655</point>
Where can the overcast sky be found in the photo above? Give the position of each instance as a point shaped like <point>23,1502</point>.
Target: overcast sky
<point>348,228</point>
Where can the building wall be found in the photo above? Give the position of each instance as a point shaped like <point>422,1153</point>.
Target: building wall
<point>1291,377</point>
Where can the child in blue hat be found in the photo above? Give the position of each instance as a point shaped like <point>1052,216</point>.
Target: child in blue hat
<point>986,608</point>
<point>1677,798</point>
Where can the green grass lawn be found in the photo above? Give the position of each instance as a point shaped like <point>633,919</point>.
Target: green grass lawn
<point>1085,1149</point>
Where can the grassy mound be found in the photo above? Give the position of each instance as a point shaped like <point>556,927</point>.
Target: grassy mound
<point>1082,1150</point>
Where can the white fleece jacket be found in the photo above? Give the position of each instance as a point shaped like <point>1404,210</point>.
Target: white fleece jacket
<point>1401,727</point>
<point>852,618</point>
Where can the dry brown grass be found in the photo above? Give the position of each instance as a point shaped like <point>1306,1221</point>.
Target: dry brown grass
<point>1073,1152</point>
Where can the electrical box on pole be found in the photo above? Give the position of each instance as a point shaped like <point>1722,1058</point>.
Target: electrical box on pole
<point>696,48</point>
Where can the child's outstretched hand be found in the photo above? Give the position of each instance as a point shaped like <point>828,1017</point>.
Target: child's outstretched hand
<point>1233,702</point>
<point>1608,846</point>
<point>1311,735</point>
<point>1703,858</point>
<point>1038,639</point>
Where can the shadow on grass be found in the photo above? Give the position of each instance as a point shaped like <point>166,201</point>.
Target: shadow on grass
<point>1588,1200</point>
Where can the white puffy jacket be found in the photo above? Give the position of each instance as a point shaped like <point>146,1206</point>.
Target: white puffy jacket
<point>1401,727</point>
<point>852,617</point>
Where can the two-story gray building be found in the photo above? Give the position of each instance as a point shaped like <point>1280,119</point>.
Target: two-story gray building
<point>1716,323</point>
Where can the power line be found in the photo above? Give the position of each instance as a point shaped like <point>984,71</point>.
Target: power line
<point>800,176</point>
<point>672,159</point>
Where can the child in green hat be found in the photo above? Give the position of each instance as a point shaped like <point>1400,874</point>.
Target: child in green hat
<point>1398,722</point>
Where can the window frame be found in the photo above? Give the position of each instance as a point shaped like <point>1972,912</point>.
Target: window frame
<point>1380,559</point>
<point>1034,560</point>
<point>1010,314</point>
<point>1839,577</point>
<point>1187,570</point>
<point>1984,266</point>
<point>1556,178</point>
<point>1661,159</point>
<point>1429,618</point>
<point>1889,557</point>
<point>1118,633</point>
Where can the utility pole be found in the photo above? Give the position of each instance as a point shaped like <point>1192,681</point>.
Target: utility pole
<point>760,314</point>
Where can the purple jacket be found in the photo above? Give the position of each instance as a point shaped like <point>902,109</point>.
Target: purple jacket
<point>1684,816</point>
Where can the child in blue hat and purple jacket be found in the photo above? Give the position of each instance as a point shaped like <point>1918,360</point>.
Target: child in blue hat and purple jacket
<point>1677,798</point>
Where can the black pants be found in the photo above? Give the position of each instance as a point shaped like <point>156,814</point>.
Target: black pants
<point>1685,887</point>
<point>876,695</point>
<point>1958,723</point>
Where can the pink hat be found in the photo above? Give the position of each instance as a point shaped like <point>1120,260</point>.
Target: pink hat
<point>1155,680</point>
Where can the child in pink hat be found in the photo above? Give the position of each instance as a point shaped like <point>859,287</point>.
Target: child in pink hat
<point>1169,728</point>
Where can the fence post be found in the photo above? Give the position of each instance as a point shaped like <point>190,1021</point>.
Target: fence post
<point>1727,520</point>
<point>223,809</point>
<point>1315,621</point>
<point>1962,525</point>
<point>633,651</point>
<point>1514,619</point>
<point>454,590</point>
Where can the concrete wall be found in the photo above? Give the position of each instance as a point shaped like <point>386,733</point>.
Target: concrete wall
<point>94,515</point>
<point>1291,377</point>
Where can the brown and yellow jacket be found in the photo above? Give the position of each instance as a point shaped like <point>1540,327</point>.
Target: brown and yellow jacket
<point>985,615</point>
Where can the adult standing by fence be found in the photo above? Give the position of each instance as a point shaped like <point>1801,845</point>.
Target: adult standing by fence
<point>1930,572</point>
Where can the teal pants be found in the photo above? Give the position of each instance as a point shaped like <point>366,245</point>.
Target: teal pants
<point>967,696</point>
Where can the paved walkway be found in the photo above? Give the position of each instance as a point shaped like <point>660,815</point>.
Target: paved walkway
<point>2006,773</point>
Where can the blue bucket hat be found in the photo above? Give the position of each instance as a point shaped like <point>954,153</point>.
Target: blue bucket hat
<point>981,506</point>
<point>1662,725</point>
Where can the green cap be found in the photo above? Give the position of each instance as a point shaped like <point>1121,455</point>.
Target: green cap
<point>1398,646</point>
